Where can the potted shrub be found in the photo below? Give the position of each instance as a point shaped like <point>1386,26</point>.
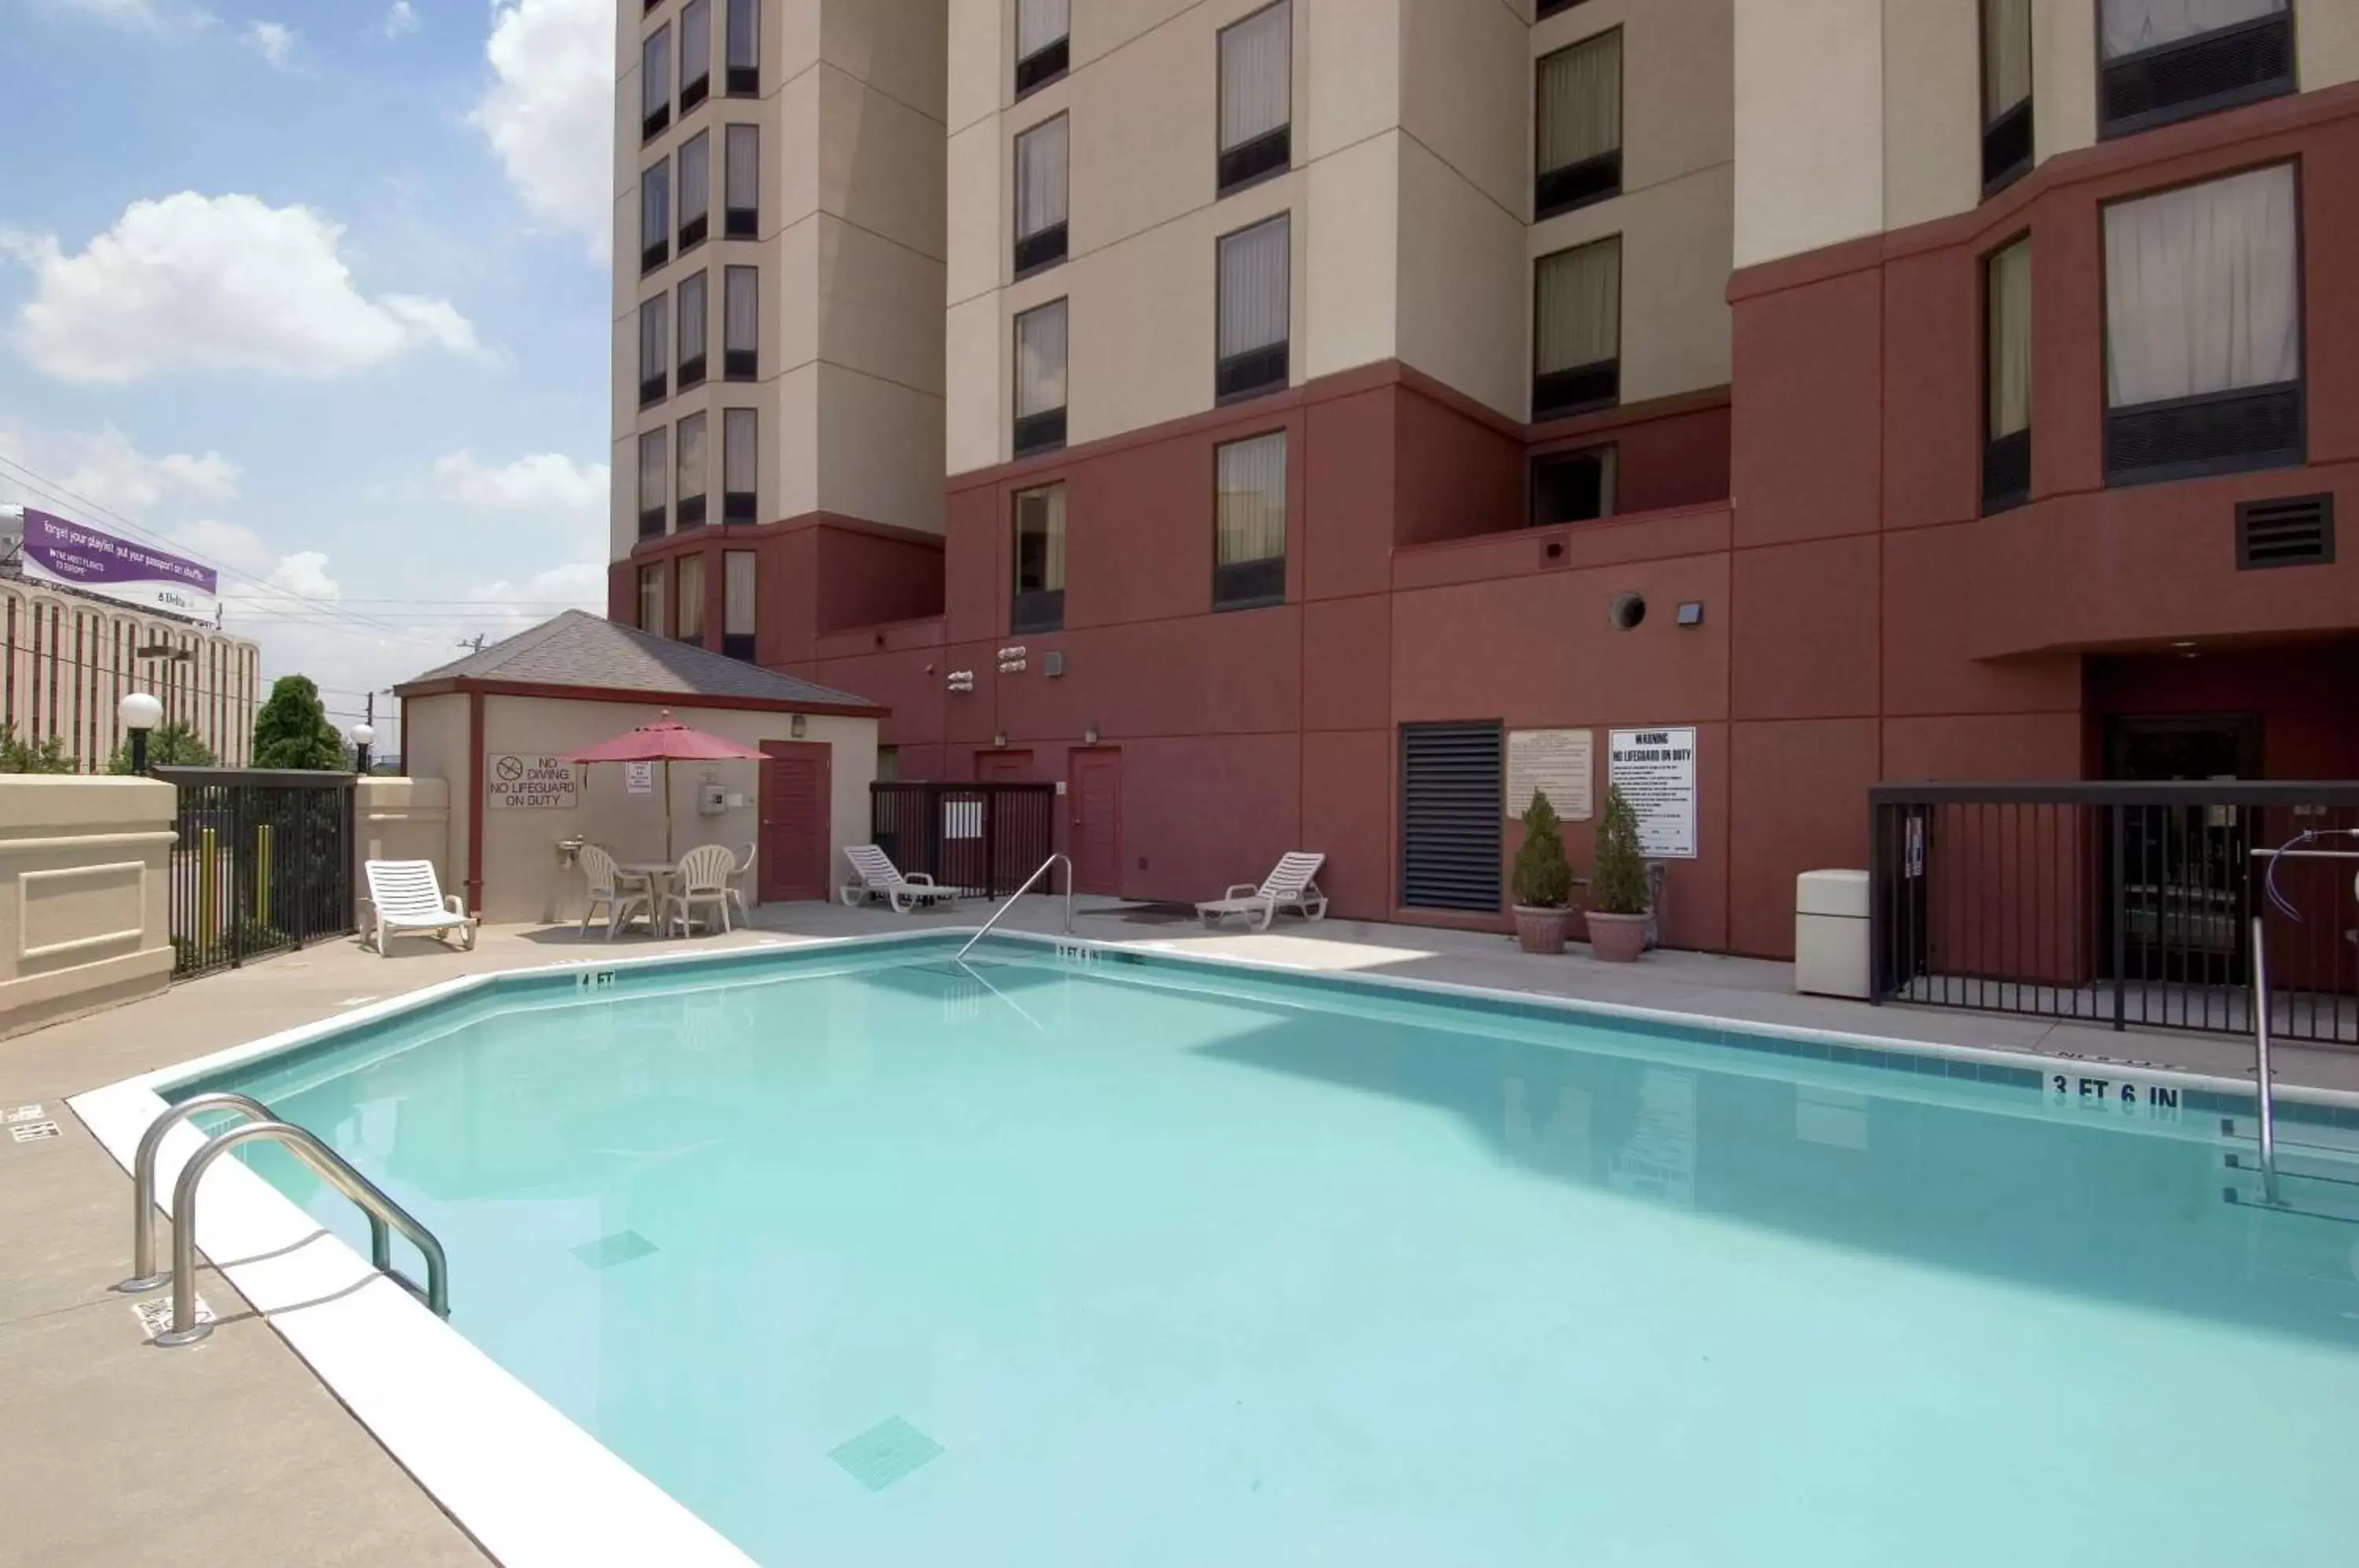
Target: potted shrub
<point>1617,889</point>
<point>1543,880</point>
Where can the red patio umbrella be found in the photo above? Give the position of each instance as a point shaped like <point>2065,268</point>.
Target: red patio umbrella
<point>664,741</point>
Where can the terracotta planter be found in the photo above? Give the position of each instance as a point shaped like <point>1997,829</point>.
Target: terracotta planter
<point>1541,930</point>
<point>1617,938</point>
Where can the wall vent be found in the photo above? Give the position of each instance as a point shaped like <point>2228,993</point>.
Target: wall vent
<point>2288,531</point>
<point>1452,782</point>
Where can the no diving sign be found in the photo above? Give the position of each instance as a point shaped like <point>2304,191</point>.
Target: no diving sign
<point>528,783</point>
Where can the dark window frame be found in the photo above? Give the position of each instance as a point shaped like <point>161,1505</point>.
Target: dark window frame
<point>656,254</point>
<point>690,510</point>
<point>739,505</point>
<point>1030,434</point>
<point>688,369</point>
<point>691,232</point>
<point>740,80</point>
<point>2006,460</point>
<point>695,91</point>
<point>1580,388</point>
<point>1255,372</point>
<point>1553,7</point>
<point>1259,583</point>
<point>2110,126</point>
<point>655,388</point>
<point>741,364</point>
<point>1044,65</point>
<point>1035,609</point>
<point>1556,456</point>
<point>741,223</point>
<point>1044,248</point>
<point>1259,157</point>
<point>1592,179</point>
<point>653,122</point>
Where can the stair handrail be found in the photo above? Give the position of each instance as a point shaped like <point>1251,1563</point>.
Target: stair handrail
<point>984,930</point>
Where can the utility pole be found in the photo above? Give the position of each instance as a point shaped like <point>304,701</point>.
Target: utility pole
<point>474,643</point>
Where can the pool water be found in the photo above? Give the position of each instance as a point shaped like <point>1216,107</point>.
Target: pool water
<point>870,1259</point>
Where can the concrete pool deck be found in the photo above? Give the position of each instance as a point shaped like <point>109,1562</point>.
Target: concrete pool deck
<point>233,1451</point>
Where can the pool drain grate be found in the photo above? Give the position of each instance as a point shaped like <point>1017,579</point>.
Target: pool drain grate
<point>885,1453</point>
<point>622,1246</point>
<point>26,1132</point>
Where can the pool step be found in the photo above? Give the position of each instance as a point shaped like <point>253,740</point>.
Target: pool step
<point>2311,1184</point>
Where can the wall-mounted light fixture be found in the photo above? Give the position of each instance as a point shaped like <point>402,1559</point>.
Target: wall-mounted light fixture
<point>999,739</point>
<point>798,726</point>
<point>1691,613</point>
<point>1088,734</point>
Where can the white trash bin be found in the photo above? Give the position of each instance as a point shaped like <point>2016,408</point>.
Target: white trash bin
<point>1831,934</point>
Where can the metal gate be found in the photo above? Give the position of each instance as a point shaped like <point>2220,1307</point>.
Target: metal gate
<point>984,839</point>
<point>263,864</point>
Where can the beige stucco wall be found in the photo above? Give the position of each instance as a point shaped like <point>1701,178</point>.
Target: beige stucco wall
<point>523,876</point>
<point>84,887</point>
<point>2327,34</point>
<point>434,745</point>
<point>403,819</point>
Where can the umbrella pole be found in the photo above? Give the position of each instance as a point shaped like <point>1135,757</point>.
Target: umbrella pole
<point>668,854</point>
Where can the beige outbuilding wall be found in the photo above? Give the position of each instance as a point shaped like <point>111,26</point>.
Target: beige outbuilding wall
<point>402,819</point>
<point>85,869</point>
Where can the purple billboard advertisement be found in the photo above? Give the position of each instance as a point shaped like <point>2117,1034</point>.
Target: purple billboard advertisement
<point>72,556</point>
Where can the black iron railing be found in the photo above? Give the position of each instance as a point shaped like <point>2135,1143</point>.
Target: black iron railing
<point>983,838</point>
<point>263,864</point>
<point>2120,904</point>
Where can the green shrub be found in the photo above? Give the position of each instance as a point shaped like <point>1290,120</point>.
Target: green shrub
<point>1618,887</point>
<point>1543,880</point>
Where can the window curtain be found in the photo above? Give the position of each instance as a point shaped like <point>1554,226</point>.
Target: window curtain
<point>690,617</point>
<point>654,206</point>
<point>1581,102</point>
<point>2202,291</point>
<point>655,73</point>
<point>1256,75</point>
<point>1040,541</point>
<point>692,318</point>
<point>743,177</point>
<point>1040,178</point>
<point>1254,287</point>
<point>744,40</point>
<point>651,598</point>
<point>737,593</point>
<point>1249,499</point>
<point>695,42</point>
<point>653,453</point>
<point>739,455</point>
<point>2006,55</point>
<point>1577,308</point>
<point>695,177</point>
<point>1040,360</point>
<point>741,308</point>
<point>1040,23</point>
<point>651,338</point>
<point>692,457</point>
<point>2133,24</point>
<point>2009,311</point>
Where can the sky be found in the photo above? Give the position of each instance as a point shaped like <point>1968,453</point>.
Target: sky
<point>317,291</point>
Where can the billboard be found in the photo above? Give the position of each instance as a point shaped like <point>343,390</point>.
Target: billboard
<point>73,556</point>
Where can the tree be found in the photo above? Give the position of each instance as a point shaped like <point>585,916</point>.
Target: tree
<point>293,731</point>
<point>1618,885</point>
<point>168,746</point>
<point>22,756</point>
<point>1543,880</point>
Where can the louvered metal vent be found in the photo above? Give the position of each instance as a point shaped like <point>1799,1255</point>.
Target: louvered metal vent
<point>2290,530</point>
<point>1451,802</point>
<point>2218,70</point>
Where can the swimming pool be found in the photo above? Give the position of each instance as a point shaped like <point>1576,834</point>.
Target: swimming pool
<point>1082,1256</point>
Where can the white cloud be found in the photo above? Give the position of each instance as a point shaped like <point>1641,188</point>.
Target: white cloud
<point>132,15</point>
<point>105,470</point>
<point>274,41</point>
<point>550,113</point>
<point>198,282</point>
<point>400,20</point>
<point>545,482</point>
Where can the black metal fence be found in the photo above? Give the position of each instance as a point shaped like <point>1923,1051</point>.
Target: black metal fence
<point>983,838</point>
<point>2127,904</point>
<point>263,864</point>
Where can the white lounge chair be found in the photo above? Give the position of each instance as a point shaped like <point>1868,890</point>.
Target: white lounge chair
<point>737,879</point>
<point>878,878</point>
<point>622,893</point>
<point>407,900</point>
<point>701,878</point>
<point>1288,887</point>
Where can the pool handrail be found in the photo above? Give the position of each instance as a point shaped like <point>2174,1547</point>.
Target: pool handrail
<point>144,1275</point>
<point>984,930</point>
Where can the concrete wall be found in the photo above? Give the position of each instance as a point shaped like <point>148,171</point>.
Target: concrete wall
<point>84,880</point>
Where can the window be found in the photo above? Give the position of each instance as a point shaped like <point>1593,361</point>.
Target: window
<point>741,464</point>
<point>652,351</point>
<point>695,53</point>
<point>654,455</point>
<point>1039,603</point>
<point>1577,328</point>
<point>1041,379</point>
<point>1573,487</point>
<point>745,43</point>
<point>2203,329</point>
<point>691,471</point>
<point>1578,119</point>
<point>1256,97</point>
<point>742,190</point>
<point>693,321</point>
<point>651,598</point>
<point>695,188</point>
<point>688,614</point>
<point>1254,281</point>
<point>2007,414</point>
<point>1249,523</point>
<point>1040,185</point>
<point>2161,61</point>
<point>737,602</point>
<point>1551,7</point>
<point>654,83</point>
<point>1041,29</point>
<point>741,316</point>
<point>654,217</point>
<point>2006,91</point>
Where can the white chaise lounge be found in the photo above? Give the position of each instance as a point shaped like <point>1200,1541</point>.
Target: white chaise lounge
<point>406,900</point>
<point>1288,887</point>
<point>875,876</point>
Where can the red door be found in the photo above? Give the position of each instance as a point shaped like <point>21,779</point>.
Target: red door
<point>1096,788</point>
<point>795,821</point>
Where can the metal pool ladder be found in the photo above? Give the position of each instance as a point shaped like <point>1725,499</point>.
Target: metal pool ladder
<point>263,1125</point>
<point>1019,892</point>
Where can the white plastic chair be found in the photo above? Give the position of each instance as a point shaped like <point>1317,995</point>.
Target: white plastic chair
<point>880,878</point>
<point>1288,887</point>
<point>701,878</point>
<point>407,900</point>
<point>619,891</point>
<point>738,884</point>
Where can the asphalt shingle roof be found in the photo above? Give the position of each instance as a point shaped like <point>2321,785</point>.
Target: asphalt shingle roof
<point>579,648</point>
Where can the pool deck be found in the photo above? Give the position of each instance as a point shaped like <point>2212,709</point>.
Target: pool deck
<point>232,1451</point>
